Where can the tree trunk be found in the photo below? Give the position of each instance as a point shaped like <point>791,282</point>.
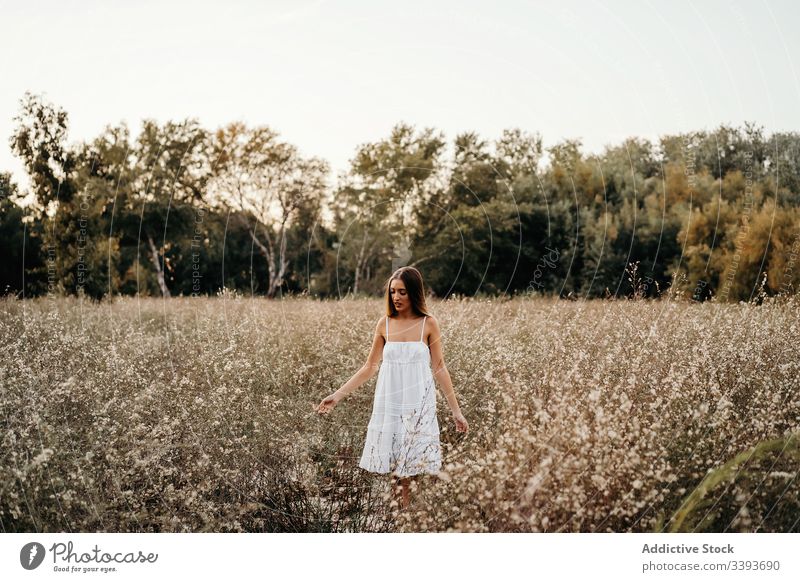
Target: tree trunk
<point>162,283</point>
<point>264,251</point>
<point>277,263</point>
<point>276,272</point>
<point>283,266</point>
<point>360,260</point>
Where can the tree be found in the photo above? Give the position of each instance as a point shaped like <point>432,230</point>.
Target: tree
<point>168,183</point>
<point>21,258</point>
<point>385,200</point>
<point>39,140</point>
<point>272,188</point>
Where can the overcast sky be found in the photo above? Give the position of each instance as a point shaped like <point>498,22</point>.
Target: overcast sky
<point>331,75</point>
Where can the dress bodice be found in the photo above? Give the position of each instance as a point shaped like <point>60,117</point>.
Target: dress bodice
<point>406,353</point>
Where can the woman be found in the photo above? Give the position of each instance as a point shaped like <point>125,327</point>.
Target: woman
<point>403,431</point>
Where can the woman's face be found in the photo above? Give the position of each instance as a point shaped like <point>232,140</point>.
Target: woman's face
<point>397,292</point>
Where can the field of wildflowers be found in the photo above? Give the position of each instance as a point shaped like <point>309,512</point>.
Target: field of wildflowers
<point>195,414</point>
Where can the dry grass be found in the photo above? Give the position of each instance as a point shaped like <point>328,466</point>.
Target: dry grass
<point>195,415</point>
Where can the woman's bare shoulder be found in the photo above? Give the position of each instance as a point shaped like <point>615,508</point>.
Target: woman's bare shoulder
<point>434,323</point>
<point>379,327</point>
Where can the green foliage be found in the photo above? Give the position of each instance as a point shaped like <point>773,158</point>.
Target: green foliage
<point>183,210</point>
<point>765,475</point>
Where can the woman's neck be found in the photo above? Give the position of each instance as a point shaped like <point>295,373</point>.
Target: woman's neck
<point>409,316</point>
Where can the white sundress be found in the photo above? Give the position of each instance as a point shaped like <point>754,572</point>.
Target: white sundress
<point>403,432</point>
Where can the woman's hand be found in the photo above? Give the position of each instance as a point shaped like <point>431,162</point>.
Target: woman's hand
<point>328,403</point>
<point>461,423</point>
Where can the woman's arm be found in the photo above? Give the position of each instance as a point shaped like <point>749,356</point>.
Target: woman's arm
<point>369,369</point>
<point>366,372</point>
<point>440,371</point>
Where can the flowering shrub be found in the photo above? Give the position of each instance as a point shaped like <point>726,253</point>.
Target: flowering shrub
<point>195,414</point>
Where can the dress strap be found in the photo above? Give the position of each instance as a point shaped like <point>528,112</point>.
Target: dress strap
<point>422,334</point>
<point>387,328</point>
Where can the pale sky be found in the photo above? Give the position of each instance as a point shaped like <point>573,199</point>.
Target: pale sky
<point>331,75</point>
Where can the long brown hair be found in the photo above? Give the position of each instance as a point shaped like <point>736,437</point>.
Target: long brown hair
<point>415,291</point>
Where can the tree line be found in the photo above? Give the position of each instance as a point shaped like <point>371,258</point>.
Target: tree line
<point>183,210</point>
